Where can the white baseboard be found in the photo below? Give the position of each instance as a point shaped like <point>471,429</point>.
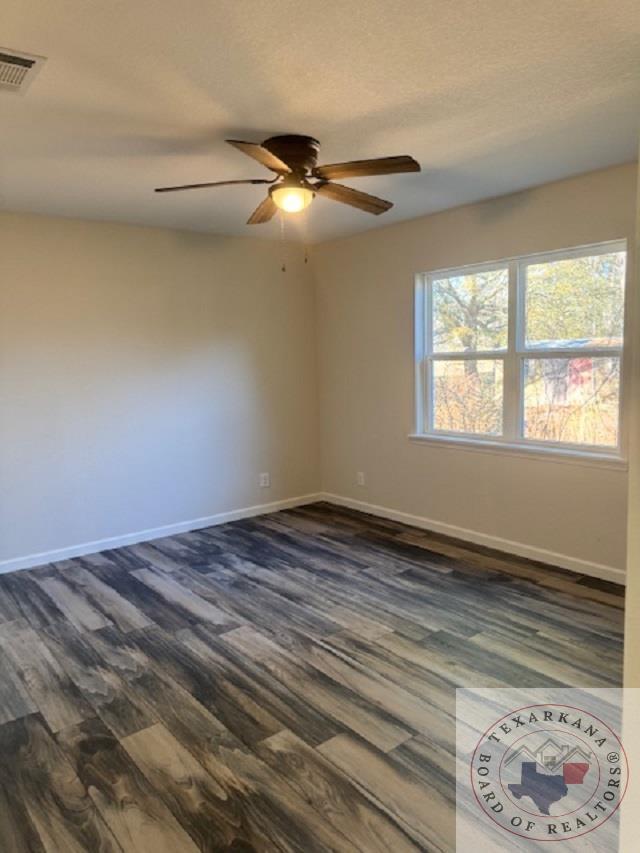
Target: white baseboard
<point>81,550</point>
<point>520,549</point>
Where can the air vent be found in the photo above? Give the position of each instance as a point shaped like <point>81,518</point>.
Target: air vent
<point>17,70</point>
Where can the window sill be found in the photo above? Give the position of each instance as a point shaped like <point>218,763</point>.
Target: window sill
<point>503,448</point>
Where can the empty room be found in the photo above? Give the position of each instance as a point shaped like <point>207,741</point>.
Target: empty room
<point>319,426</point>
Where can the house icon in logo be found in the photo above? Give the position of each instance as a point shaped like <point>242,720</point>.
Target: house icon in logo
<point>551,755</point>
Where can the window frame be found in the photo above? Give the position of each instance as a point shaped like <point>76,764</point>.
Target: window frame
<point>513,358</point>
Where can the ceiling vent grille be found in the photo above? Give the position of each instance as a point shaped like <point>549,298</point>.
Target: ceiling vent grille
<point>17,70</point>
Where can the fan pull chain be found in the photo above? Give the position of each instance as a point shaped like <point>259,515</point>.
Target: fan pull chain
<point>305,233</point>
<point>282,241</point>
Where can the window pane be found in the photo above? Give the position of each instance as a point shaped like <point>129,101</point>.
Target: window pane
<point>572,400</point>
<point>470,312</point>
<point>578,302</point>
<point>467,396</point>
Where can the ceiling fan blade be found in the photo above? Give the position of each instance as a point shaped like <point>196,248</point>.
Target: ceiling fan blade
<point>262,155</point>
<point>265,211</point>
<point>361,168</point>
<point>364,201</point>
<point>214,184</point>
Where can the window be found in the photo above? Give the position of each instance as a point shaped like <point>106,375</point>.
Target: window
<point>526,351</point>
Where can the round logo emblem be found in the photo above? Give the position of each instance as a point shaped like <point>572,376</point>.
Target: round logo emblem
<point>549,772</point>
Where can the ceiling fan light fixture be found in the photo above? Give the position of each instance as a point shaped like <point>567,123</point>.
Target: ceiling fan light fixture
<point>293,158</point>
<point>291,196</point>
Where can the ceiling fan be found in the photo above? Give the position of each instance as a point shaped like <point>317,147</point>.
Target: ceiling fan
<point>293,158</point>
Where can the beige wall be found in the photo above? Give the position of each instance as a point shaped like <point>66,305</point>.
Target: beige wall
<point>632,628</point>
<point>365,287</point>
<point>146,378</point>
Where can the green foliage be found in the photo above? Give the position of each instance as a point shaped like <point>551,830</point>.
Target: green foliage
<point>576,299</point>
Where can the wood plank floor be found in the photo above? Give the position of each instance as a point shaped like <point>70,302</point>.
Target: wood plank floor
<point>284,683</point>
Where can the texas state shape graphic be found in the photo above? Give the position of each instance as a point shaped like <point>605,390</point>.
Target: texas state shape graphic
<point>545,789</point>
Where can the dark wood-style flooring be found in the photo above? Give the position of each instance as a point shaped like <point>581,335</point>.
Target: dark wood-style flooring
<point>281,683</point>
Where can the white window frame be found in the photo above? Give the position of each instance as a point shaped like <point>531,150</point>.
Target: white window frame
<point>513,358</point>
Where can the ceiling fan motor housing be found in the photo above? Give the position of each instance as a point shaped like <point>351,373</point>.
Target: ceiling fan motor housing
<point>298,152</point>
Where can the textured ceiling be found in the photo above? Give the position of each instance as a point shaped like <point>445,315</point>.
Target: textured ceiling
<point>489,96</point>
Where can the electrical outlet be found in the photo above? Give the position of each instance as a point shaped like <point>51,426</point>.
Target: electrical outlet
<point>265,480</point>
<point>360,478</point>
